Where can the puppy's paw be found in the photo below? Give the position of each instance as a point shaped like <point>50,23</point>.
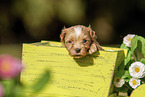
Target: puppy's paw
<point>93,48</point>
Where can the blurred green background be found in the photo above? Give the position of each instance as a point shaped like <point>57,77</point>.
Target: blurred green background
<point>26,21</point>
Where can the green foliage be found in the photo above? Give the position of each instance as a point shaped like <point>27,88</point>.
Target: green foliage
<point>128,58</point>
<point>8,84</point>
<point>134,44</point>
<point>142,60</point>
<point>123,46</point>
<point>14,88</point>
<point>138,42</point>
<point>43,80</point>
<point>122,73</point>
<point>135,53</point>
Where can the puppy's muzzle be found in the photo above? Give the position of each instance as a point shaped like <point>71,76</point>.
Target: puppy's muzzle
<point>78,50</point>
<point>78,53</point>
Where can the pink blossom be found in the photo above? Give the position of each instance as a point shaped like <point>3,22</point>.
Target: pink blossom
<point>10,66</point>
<point>1,90</point>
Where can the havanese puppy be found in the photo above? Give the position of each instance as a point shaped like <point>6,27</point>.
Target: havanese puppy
<point>79,41</point>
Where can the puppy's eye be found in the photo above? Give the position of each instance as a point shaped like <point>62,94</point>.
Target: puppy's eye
<point>84,41</point>
<point>69,41</point>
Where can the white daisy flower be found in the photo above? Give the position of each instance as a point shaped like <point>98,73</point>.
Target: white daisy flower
<point>134,83</point>
<point>118,82</point>
<point>127,39</point>
<point>137,70</point>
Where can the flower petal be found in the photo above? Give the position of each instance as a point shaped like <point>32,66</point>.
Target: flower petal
<point>10,66</point>
<point>134,83</point>
<point>137,70</point>
<point>127,39</point>
<point>118,82</point>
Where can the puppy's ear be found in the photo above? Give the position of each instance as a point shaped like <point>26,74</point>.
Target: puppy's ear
<point>95,45</point>
<point>62,35</point>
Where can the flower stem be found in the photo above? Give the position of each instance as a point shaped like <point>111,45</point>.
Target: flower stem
<point>129,87</point>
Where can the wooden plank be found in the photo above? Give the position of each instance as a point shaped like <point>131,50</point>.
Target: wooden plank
<point>90,76</point>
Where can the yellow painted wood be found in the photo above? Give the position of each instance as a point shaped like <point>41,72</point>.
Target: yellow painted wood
<point>139,92</point>
<point>90,76</point>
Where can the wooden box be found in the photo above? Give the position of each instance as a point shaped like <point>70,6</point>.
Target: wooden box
<point>90,76</point>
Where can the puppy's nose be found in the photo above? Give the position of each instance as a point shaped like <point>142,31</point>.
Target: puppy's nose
<point>78,50</point>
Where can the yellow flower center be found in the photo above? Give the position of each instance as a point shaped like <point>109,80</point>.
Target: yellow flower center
<point>134,82</point>
<point>137,69</point>
<point>5,66</point>
<point>129,39</point>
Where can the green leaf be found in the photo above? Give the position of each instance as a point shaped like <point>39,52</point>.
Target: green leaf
<point>42,81</point>
<point>123,74</point>
<point>128,64</point>
<point>121,66</point>
<point>126,61</point>
<point>127,79</point>
<point>134,42</point>
<point>126,75</point>
<point>142,60</point>
<point>128,58</point>
<point>138,54</point>
<point>9,86</point>
<point>142,44</point>
<point>138,42</point>
<point>18,91</point>
<point>120,73</point>
<point>123,46</point>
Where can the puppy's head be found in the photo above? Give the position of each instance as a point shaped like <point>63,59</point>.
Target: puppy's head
<point>79,40</point>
